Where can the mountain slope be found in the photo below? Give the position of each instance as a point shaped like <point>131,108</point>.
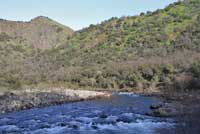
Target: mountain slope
<point>121,53</point>
<point>129,38</point>
<point>22,42</point>
<point>161,27</point>
<point>41,32</point>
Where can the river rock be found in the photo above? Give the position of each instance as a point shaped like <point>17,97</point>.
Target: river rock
<point>162,112</point>
<point>156,106</point>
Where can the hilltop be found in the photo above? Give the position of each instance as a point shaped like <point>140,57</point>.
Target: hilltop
<point>40,32</point>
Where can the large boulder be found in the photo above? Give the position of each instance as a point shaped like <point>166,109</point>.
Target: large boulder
<point>160,110</point>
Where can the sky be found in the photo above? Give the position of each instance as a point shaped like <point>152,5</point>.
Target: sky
<point>77,14</point>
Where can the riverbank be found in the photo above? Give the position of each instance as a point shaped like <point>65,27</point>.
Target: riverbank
<point>184,107</point>
<point>188,111</point>
<point>27,99</point>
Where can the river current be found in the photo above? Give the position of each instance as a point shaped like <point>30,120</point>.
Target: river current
<point>123,113</point>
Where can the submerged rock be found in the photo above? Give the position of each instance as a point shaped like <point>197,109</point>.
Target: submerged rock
<point>125,119</point>
<point>163,112</point>
<point>103,115</point>
<point>156,106</point>
<point>94,127</point>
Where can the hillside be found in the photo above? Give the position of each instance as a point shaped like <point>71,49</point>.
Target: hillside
<point>135,36</point>
<point>154,50</point>
<point>134,52</point>
<point>21,42</point>
<point>41,32</point>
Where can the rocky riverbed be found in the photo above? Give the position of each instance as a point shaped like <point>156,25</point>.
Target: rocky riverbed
<point>21,100</point>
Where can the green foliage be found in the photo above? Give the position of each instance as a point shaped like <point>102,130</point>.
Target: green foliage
<point>196,69</point>
<point>10,82</point>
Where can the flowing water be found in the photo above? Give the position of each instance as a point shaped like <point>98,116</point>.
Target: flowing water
<point>123,113</point>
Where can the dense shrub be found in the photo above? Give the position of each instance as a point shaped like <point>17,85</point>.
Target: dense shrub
<point>4,37</point>
<point>196,69</point>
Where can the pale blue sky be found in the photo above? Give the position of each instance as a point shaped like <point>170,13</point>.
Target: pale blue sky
<point>77,13</point>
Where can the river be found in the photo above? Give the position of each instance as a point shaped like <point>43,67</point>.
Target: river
<point>122,113</point>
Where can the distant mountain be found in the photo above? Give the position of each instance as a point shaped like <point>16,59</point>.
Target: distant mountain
<point>22,42</point>
<point>149,51</point>
<point>41,32</point>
